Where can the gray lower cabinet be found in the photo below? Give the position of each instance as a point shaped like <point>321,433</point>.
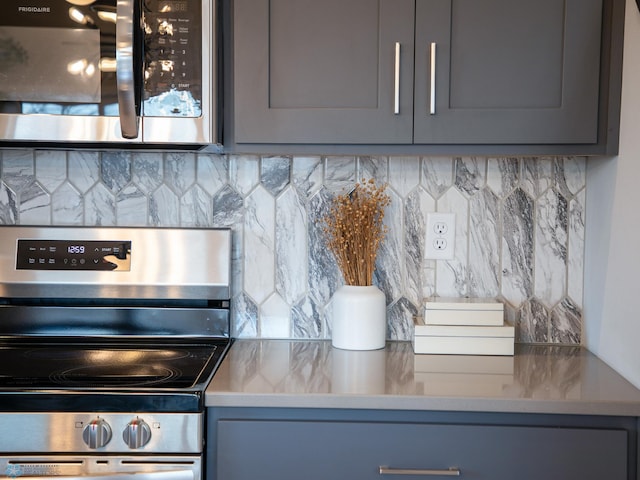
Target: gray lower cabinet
<point>320,449</point>
<point>425,72</point>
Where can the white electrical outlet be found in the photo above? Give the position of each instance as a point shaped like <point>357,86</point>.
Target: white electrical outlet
<point>440,238</point>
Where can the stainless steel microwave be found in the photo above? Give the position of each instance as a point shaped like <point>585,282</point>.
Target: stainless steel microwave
<point>139,72</point>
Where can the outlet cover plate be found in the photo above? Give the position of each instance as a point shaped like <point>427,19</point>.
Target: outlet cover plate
<point>440,237</point>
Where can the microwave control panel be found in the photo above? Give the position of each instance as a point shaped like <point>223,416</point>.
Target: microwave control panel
<point>173,40</point>
<point>73,255</point>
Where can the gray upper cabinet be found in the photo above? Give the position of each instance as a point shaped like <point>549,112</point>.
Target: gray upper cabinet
<point>507,71</point>
<point>308,71</point>
<point>420,73</point>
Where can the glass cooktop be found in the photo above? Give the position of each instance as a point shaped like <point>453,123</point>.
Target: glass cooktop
<point>31,366</point>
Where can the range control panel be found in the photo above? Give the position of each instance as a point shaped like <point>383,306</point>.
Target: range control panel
<point>73,255</point>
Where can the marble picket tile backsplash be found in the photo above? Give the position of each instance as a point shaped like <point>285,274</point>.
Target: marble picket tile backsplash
<point>519,227</point>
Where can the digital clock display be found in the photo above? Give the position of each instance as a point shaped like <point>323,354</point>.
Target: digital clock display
<point>173,6</point>
<point>75,249</point>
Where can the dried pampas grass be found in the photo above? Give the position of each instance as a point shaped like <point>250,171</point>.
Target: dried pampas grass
<point>354,230</point>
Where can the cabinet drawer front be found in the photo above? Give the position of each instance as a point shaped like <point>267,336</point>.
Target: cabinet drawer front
<point>313,450</point>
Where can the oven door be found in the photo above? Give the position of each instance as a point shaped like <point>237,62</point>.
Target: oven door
<point>63,467</point>
<point>101,71</point>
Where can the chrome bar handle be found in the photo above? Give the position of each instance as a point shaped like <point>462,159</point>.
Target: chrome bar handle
<point>124,69</point>
<point>432,99</point>
<point>451,472</point>
<point>396,91</point>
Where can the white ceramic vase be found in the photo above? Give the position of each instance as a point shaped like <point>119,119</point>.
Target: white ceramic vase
<point>359,318</point>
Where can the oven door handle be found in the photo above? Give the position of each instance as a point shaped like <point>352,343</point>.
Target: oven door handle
<point>125,75</point>
<point>143,475</point>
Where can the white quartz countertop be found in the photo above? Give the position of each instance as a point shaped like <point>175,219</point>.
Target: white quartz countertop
<point>313,374</point>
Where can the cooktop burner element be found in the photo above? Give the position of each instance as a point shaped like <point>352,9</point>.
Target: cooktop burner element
<point>118,376</point>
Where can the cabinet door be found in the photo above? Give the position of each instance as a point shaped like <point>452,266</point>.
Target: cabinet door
<point>309,71</point>
<point>312,450</point>
<point>507,71</point>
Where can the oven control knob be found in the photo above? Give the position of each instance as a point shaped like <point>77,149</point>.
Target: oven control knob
<point>137,433</point>
<point>97,433</point>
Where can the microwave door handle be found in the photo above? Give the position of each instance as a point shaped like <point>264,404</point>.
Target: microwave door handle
<point>124,69</point>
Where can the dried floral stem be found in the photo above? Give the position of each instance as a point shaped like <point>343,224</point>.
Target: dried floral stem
<point>354,229</point>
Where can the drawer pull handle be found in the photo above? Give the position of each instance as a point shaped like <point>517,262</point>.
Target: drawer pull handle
<point>396,81</point>
<point>451,472</point>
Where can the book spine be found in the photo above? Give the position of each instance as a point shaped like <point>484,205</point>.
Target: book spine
<point>464,345</point>
<point>457,317</point>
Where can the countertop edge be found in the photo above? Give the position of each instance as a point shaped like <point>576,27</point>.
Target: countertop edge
<point>259,373</point>
<point>441,404</point>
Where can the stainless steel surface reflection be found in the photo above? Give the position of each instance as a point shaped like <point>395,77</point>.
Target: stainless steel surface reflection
<point>108,338</point>
<point>110,75</point>
<point>164,263</point>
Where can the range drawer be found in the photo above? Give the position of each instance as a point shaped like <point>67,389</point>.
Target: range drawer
<point>317,450</point>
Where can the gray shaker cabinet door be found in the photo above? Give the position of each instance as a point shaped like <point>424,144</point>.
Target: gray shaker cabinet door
<point>309,71</point>
<point>507,71</point>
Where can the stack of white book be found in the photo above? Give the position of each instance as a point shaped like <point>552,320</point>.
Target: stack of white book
<point>463,326</point>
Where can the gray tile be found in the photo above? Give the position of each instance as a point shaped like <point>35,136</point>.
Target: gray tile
<point>520,227</point>
<point>517,247</point>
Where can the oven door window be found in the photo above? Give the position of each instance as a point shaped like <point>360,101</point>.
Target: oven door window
<point>58,57</point>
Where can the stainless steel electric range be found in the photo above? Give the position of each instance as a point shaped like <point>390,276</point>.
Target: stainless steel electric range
<point>108,338</point>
